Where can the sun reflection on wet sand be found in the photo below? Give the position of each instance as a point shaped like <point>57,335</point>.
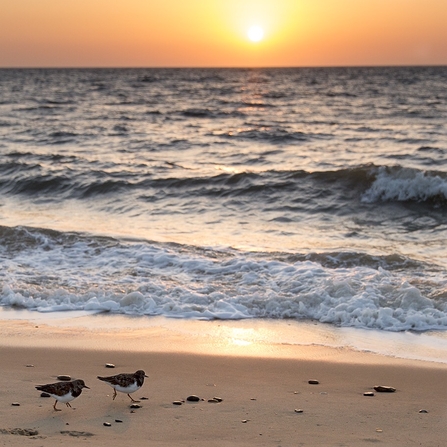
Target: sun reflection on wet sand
<point>250,337</point>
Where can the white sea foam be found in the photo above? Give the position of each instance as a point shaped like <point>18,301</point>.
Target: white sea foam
<point>405,184</point>
<point>145,279</point>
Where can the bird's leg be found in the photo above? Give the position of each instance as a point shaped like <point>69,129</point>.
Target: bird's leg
<point>132,399</point>
<point>114,394</point>
<point>54,406</point>
<point>68,404</point>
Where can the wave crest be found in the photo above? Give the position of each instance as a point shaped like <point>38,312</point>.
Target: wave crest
<point>406,184</point>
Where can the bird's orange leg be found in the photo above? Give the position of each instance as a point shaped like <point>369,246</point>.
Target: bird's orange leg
<point>132,399</point>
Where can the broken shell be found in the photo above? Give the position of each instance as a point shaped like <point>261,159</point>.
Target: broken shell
<point>385,389</point>
<point>64,377</point>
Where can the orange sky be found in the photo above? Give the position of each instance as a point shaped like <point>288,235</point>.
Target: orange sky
<point>200,33</point>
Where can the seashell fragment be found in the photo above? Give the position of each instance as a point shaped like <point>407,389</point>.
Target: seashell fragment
<point>64,378</point>
<point>385,389</point>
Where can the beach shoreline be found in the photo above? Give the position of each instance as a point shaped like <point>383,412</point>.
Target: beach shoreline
<point>261,394</point>
<point>246,337</point>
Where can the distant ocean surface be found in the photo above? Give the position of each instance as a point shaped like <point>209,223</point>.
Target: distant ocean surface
<point>314,194</point>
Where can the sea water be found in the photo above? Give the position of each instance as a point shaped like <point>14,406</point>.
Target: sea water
<point>295,195</point>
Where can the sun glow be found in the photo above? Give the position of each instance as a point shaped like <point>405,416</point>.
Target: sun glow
<point>255,33</point>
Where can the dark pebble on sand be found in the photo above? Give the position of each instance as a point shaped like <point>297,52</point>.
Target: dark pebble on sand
<point>30,366</point>
<point>64,377</point>
<point>44,395</point>
<point>299,410</point>
<point>15,404</point>
<point>177,402</point>
<point>107,424</point>
<point>118,420</point>
<point>144,398</point>
<point>135,406</point>
<point>385,389</point>
<point>423,411</point>
<point>110,365</point>
<point>368,393</point>
<point>193,398</point>
<point>313,382</point>
<point>19,431</point>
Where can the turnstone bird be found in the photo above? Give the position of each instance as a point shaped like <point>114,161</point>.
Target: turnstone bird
<point>63,391</point>
<point>125,383</point>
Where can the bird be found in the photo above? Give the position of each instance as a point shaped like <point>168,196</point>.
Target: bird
<point>125,382</point>
<point>63,391</point>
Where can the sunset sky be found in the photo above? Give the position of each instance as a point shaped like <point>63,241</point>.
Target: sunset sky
<point>213,33</point>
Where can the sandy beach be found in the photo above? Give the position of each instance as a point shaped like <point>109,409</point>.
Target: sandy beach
<point>262,394</point>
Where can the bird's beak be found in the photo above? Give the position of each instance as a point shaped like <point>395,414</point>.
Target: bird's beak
<point>146,375</point>
<point>85,386</point>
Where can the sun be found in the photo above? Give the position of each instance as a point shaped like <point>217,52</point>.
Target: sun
<point>255,33</point>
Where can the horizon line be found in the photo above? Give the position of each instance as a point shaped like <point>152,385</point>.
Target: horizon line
<point>195,67</point>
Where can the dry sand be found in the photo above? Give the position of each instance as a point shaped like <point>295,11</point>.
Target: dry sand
<point>259,394</point>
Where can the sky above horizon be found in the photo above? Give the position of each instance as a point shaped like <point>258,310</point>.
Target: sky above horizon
<point>215,33</point>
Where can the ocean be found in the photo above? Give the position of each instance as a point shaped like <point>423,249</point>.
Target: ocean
<point>315,195</point>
